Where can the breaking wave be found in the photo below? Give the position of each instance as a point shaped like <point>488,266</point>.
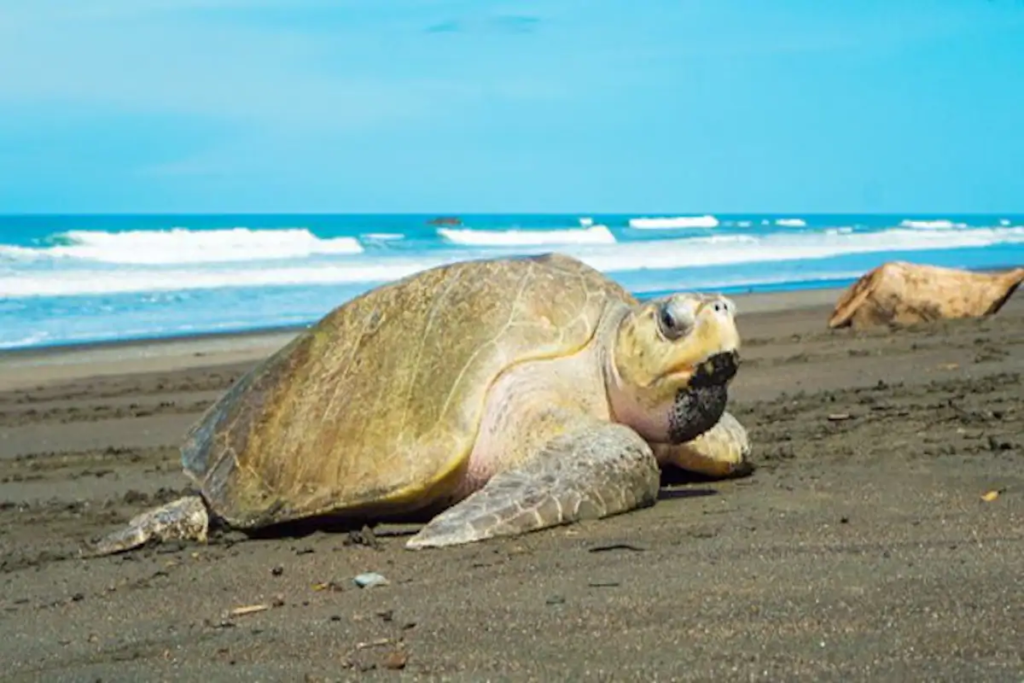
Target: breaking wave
<point>596,234</point>
<point>645,256</point>
<point>181,245</point>
<point>675,223</point>
<point>942,224</point>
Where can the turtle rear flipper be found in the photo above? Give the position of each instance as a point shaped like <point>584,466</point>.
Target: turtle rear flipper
<point>722,451</point>
<point>183,519</point>
<point>598,470</point>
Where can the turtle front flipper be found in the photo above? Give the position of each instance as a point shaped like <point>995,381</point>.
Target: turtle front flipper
<point>722,451</point>
<point>182,519</point>
<point>597,470</point>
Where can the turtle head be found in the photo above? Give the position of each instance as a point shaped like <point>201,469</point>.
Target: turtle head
<point>670,365</point>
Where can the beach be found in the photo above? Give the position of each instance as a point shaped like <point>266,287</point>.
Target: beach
<point>861,547</point>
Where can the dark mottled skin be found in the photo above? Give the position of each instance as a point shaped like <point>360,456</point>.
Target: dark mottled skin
<point>699,406</point>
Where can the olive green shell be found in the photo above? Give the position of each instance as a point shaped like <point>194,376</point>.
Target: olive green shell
<point>378,405</point>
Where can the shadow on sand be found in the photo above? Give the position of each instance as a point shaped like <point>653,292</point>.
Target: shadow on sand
<point>676,484</point>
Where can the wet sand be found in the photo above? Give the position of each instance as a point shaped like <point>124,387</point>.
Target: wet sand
<point>860,549</point>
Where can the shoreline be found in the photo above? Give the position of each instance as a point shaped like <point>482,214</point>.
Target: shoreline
<point>760,298</point>
<point>764,298</point>
<point>20,368</point>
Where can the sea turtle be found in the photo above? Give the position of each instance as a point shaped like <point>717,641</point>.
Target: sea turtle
<point>902,293</point>
<point>498,396</point>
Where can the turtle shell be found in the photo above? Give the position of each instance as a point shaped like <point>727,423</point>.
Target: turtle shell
<point>377,406</point>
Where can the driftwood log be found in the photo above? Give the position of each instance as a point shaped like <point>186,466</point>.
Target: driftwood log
<point>904,293</point>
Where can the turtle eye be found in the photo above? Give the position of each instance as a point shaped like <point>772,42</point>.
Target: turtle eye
<point>673,322</point>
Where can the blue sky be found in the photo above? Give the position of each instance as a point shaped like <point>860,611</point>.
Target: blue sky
<point>508,106</point>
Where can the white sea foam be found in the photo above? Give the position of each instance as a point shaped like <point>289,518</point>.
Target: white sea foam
<point>791,223</point>
<point>942,224</point>
<point>384,236</point>
<point>28,340</point>
<point>631,256</point>
<point>597,234</point>
<point>673,223</point>
<point>736,249</point>
<point>586,222</point>
<point>71,282</point>
<point>180,245</point>
<point>1003,222</point>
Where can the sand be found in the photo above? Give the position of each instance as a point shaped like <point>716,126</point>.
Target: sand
<point>860,548</point>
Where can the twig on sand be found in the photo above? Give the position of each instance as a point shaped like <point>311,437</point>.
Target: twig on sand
<point>380,642</point>
<point>248,609</point>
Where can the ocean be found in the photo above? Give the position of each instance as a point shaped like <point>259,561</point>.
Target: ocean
<point>94,278</point>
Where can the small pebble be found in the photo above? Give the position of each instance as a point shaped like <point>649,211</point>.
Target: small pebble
<point>370,579</point>
<point>396,660</point>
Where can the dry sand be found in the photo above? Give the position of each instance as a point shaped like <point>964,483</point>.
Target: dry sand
<point>860,549</point>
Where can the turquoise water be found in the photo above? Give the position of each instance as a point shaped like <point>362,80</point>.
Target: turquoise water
<point>71,279</point>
